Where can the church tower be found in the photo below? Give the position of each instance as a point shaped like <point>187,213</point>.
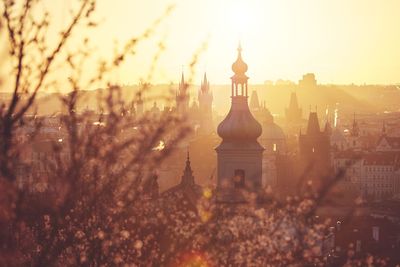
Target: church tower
<point>205,98</point>
<point>182,97</point>
<point>293,112</point>
<point>239,155</point>
<point>315,149</point>
<point>354,137</point>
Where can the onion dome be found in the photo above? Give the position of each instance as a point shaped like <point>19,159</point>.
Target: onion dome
<point>239,125</point>
<point>239,67</point>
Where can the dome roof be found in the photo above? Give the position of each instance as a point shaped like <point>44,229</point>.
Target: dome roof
<point>272,131</point>
<point>239,67</point>
<point>239,124</point>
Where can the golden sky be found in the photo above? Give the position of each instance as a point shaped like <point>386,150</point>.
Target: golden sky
<point>341,41</point>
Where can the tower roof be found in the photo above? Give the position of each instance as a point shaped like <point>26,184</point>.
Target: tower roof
<point>187,177</point>
<point>182,86</point>
<point>239,67</point>
<point>239,125</point>
<point>182,78</point>
<point>328,128</point>
<point>254,102</point>
<point>355,129</point>
<point>205,84</point>
<point>313,124</point>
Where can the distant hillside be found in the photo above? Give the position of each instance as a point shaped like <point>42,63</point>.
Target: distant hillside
<point>360,99</point>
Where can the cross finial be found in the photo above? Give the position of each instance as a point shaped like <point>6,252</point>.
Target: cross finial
<point>239,47</point>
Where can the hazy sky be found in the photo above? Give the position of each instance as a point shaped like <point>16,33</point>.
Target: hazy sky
<point>341,41</point>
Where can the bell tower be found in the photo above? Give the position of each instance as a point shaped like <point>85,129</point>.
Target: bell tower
<point>239,155</point>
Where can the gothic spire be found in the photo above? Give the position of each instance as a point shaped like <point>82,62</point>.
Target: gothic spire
<point>182,85</point>
<point>254,102</point>
<point>313,124</point>
<point>187,177</point>
<point>205,84</point>
<point>355,130</point>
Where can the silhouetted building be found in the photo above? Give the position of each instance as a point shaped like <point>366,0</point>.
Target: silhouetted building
<point>187,187</point>
<point>273,140</point>
<point>308,81</point>
<point>182,97</point>
<point>380,178</point>
<point>293,113</point>
<point>259,111</point>
<point>205,107</point>
<point>387,143</point>
<point>315,149</point>
<point>254,102</point>
<point>239,155</point>
<point>337,139</point>
<point>354,141</point>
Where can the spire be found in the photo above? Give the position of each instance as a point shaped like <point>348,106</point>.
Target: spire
<point>313,124</point>
<point>187,177</point>
<point>182,96</point>
<point>355,130</point>
<point>254,102</point>
<point>182,83</point>
<point>205,84</point>
<point>293,112</point>
<point>328,128</point>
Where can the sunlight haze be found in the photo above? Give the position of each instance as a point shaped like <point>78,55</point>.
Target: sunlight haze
<point>340,41</point>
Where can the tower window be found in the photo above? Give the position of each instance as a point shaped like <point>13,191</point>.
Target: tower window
<point>274,147</point>
<point>238,179</point>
